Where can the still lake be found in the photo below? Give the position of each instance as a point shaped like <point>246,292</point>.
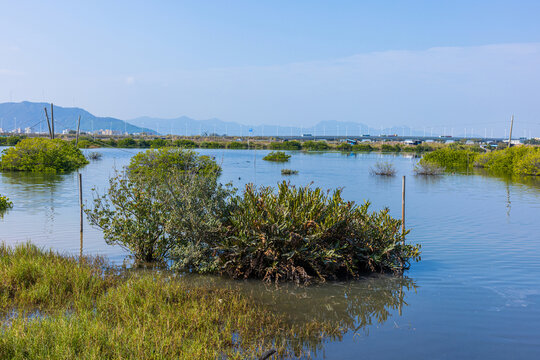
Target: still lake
<point>475,294</point>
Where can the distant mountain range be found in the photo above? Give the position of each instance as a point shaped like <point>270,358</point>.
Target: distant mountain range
<point>31,115</point>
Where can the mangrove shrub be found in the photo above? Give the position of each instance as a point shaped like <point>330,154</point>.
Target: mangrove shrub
<point>42,155</point>
<point>278,156</point>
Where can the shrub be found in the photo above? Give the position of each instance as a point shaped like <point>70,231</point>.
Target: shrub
<point>158,143</point>
<point>142,143</point>
<point>362,147</point>
<point>13,140</point>
<point>450,158</point>
<point>529,164</point>
<point>94,155</point>
<point>85,144</point>
<point>212,145</point>
<point>161,162</point>
<point>127,143</point>
<point>185,143</point>
<point>390,148</point>
<point>237,145</point>
<point>298,234</point>
<point>5,203</point>
<point>42,155</point>
<point>344,147</point>
<point>315,145</point>
<point>384,169</point>
<point>289,172</point>
<point>278,156</point>
<point>425,168</point>
<point>286,145</point>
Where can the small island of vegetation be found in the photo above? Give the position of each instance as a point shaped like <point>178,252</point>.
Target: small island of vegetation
<point>5,203</point>
<point>42,155</point>
<point>278,156</point>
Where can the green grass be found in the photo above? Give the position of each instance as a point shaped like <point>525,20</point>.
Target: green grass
<point>89,311</point>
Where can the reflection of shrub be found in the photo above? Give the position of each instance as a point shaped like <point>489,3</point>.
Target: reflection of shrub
<point>5,203</point>
<point>384,169</point>
<point>42,155</point>
<point>289,172</point>
<point>424,168</point>
<point>278,156</point>
<point>301,233</point>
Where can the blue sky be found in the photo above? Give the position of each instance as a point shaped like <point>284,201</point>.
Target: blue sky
<point>419,63</point>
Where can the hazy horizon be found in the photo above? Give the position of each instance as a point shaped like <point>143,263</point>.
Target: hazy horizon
<point>460,65</point>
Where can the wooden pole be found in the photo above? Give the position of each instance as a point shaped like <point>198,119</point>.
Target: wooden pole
<point>403,208</point>
<point>511,126</point>
<point>81,200</point>
<point>78,127</point>
<point>48,122</point>
<point>52,120</point>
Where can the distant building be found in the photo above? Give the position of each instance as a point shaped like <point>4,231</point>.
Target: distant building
<point>28,130</point>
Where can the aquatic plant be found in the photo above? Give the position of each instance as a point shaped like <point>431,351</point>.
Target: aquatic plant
<point>42,155</point>
<point>383,168</point>
<point>5,203</point>
<point>425,168</point>
<point>94,155</point>
<point>289,172</point>
<point>278,156</point>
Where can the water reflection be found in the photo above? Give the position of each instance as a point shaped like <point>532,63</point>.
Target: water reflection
<point>323,312</point>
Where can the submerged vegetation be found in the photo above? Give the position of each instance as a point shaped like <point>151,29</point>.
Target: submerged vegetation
<point>94,155</point>
<point>181,214</point>
<point>278,156</point>
<point>427,168</point>
<point>42,155</point>
<point>383,169</point>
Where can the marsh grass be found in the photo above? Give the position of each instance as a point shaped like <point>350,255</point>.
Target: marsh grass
<point>85,310</point>
<point>383,169</point>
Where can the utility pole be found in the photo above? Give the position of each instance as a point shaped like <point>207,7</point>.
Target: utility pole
<point>511,126</point>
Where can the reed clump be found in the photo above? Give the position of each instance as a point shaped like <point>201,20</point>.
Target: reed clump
<point>428,169</point>
<point>278,156</point>
<point>383,169</point>
<point>94,155</point>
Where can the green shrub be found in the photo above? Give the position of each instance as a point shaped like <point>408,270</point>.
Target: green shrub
<point>185,143</point>
<point>142,143</point>
<point>451,159</point>
<point>362,147</point>
<point>390,148</point>
<point>161,162</point>
<point>212,145</point>
<point>517,160</point>
<point>286,145</point>
<point>344,147</point>
<point>158,143</point>
<point>5,203</point>
<point>85,144</point>
<point>127,143</point>
<point>237,145</point>
<point>278,156</point>
<point>298,234</point>
<point>42,155</point>
<point>315,145</point>
<point>529,164</point>
<point>14,140</point>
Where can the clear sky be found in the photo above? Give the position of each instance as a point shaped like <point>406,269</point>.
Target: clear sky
<point>418,63</point>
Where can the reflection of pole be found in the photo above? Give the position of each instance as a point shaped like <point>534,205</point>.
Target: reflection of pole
<point>403,209</point>
<point>81,201</point>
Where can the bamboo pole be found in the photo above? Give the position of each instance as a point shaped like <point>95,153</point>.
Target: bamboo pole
<point>48,122</point>
<point>78,127</point>
<point>403,208</point>
<point>52,120</point>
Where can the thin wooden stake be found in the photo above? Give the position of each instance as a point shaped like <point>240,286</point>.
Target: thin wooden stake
<point>403,209</point>
<point>511,127</point>
<point>78,127</point>
<point>52,120</point>
<point>48,123</point>
<point>81,200</point>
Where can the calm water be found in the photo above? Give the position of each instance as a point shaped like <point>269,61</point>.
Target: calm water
<point>475,294</point>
